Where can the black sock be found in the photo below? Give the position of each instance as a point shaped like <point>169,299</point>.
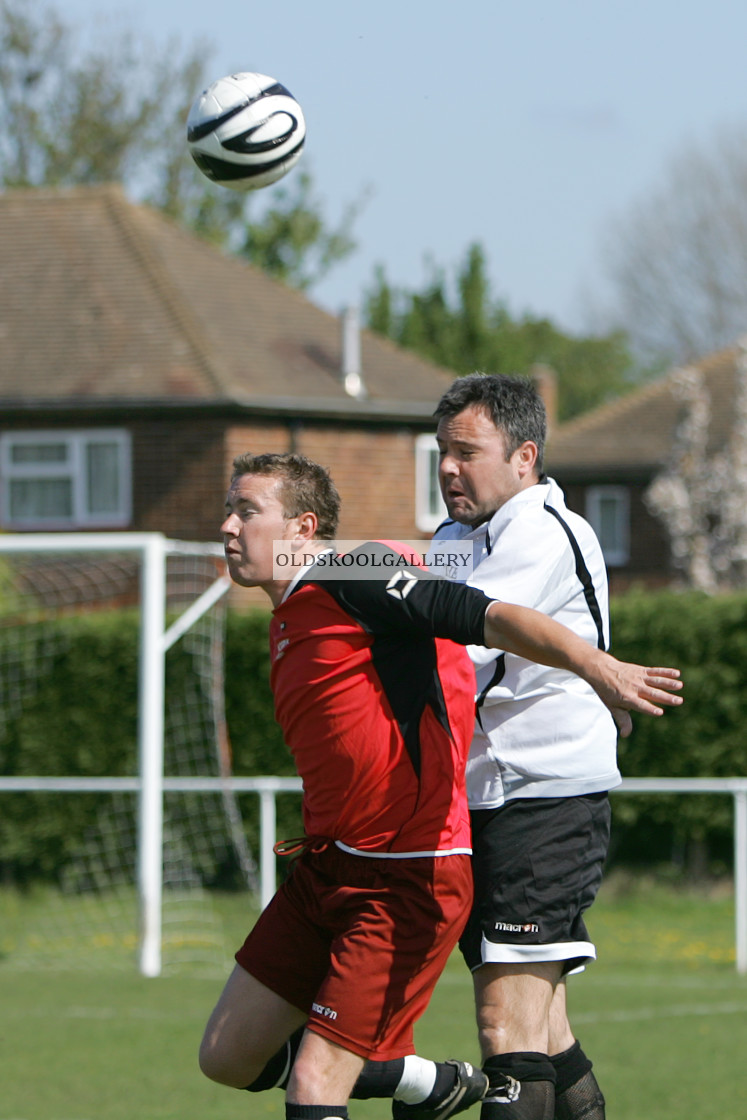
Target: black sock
<point>577,1093</point>
<point>316,1112</point>
<point>277,1071</point>
<point>381,1080</point>
<point>522,1087</point>
<point>378,1079</point>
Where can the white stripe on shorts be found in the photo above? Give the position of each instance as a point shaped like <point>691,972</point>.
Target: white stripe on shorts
<point>495,953</point>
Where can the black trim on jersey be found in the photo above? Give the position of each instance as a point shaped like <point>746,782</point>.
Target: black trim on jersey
<point>584,577</point>
<point>459,540</point>
<point>497,677</point>
<point>404,618</point>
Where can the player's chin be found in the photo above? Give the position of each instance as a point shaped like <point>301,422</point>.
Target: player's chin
<point>460,511</point>
<point>239,573</point>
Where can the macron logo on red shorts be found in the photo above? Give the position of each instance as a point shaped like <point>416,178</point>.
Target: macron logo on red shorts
<point>327,1012</point>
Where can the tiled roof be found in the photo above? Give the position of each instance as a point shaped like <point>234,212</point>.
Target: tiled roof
<point>102,301</point>
<point>636,432</point>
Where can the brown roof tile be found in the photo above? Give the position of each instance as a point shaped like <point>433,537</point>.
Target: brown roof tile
<point>101,299</point>
<point>636,431</point>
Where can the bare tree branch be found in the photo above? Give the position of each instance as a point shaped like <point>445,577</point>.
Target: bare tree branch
<point>677,260</point>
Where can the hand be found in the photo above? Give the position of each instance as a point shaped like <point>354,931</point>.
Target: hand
<point>625,687</point>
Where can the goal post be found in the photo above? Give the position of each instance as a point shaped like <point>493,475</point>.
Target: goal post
<point>155,641</point>
<point>151,702</point>
<point>163,622</point>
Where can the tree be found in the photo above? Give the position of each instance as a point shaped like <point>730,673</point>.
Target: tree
<point>677,259</point>
<point>471,331</point>
<point>292,242</point>
<point>72,117</point>
<point>116,113</point>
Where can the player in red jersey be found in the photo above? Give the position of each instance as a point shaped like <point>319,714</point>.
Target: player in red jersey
<point>374,693</point>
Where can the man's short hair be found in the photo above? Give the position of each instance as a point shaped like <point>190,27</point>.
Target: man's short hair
<point>305,487</point>
<point>512,403</point>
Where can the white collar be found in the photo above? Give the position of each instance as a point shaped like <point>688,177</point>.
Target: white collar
<point>302,572</point>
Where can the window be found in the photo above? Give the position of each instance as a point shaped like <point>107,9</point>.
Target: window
<point>608,511</point>
<point>65,479</point>
<point>430,510</point>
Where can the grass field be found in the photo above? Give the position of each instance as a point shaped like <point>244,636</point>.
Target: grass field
<point>663,1013</point>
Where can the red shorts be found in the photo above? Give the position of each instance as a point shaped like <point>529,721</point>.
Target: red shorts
<point>359,943</point>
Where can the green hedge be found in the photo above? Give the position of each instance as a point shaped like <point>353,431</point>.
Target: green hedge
<point>707,737</point>
<point>70,710</point>
<point>69,707</point>
<point>80,718</point>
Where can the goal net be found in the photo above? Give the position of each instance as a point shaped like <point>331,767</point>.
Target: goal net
<point>111,683</point>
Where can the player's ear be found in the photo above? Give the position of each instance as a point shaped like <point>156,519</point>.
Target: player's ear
<point>527,456</point>
<point>307,525</point>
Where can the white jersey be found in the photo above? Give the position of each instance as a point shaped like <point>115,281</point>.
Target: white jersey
<point>540,732</point>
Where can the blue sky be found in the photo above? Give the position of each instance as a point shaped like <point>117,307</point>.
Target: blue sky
<point>526,127</point>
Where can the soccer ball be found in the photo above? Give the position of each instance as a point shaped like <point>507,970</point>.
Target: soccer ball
<point>245,131</point>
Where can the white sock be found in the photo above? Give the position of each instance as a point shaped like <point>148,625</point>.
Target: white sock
<point>417,1081</point>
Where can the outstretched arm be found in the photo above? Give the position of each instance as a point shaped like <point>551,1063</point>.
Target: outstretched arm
<point>621,685</point>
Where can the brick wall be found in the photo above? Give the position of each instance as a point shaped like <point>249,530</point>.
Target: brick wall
<point>178,485</point>
<point>374,472</point>
<point>373,469</point>
<point>254,439</point>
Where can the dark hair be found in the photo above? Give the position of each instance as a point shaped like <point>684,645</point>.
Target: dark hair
<point>512,403</point>
<point>305,487</point>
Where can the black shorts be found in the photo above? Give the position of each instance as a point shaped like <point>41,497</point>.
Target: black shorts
<point>537,866</point>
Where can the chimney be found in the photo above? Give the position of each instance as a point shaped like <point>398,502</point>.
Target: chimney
<point>350,348</point>
<point>546,383</point>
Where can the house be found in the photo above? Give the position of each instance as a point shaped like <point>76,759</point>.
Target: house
<point>136,361</point>
<point>606,459</point>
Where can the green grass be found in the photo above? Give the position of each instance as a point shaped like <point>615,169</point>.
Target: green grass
<point>662,1013</point>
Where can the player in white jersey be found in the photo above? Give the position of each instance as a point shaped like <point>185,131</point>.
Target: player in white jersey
<point>543,755</point>
<point>535,551</point>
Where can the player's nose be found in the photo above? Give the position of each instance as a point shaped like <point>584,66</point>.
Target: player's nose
<point>448,467</point>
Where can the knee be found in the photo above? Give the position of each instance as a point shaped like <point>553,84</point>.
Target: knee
<point>493,1038</point>
<point>501,1032</point>
<point>495,1029</point>
<point>209,1061</point>
<point>216,1064</point>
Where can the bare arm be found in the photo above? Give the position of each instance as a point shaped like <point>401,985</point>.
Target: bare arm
<point>621,685</point>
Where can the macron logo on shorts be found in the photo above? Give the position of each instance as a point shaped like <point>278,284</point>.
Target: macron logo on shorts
<point>327,1012</point>
<point>401,584</point>
<point>512,927</point>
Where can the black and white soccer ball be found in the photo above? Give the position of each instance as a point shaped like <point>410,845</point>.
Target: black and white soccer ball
<point>245,131</point>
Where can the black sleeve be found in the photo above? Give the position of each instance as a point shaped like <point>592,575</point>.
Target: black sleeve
<point>402,597</point>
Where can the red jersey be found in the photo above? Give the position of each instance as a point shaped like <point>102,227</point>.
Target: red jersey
<point>376,703</point>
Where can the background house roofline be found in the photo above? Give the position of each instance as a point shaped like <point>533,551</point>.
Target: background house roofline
<point>296,408</point>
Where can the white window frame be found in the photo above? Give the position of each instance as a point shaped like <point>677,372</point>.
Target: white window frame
<point>74,468</point>
<point>619,554</point>
<point>428,513</point>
